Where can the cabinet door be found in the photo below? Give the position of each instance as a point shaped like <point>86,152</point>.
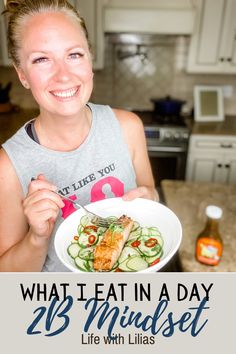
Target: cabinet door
<point>212,46</point>
<point>230,166</point>
<point>92,12</point>
<point>205,167</point>
<point>227,51</point>
<point>212,166</point>
<point>4,58</point>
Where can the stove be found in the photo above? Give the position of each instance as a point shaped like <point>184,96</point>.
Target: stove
<point>167,144</point>
<point>170,133</point>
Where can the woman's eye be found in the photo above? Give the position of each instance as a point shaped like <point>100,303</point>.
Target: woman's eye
<point>40,60</point>
<point>76,55</point>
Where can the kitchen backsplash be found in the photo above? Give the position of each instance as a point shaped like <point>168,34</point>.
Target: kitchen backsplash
<point>133,74</point>
<point>131,81</point>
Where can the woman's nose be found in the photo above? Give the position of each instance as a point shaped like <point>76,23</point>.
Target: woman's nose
<point>61,72</point>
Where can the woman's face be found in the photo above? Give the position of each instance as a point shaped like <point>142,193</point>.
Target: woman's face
<point>55,62</point>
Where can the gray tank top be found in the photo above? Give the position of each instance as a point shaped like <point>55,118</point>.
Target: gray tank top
<point>100,168</point>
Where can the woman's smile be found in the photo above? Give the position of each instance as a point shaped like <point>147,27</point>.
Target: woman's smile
<point>65,94</point>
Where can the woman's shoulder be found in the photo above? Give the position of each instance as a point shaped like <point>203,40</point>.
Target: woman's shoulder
<point>8,177</point>
<point>133,130</point>
<point>128,120</point>
<point>4,159</point>
<point>122,115</point>
<point>130,123</point>
<point>5,163</point>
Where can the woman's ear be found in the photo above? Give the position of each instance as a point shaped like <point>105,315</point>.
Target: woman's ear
<point>22,77</point>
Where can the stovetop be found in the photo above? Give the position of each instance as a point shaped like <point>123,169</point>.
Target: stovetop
<point>151,118</point>
<point>162,131</point>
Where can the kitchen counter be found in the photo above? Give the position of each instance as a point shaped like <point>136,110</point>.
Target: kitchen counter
<point>12,121</point>
<point>188,201</point>
<point>226,127</point>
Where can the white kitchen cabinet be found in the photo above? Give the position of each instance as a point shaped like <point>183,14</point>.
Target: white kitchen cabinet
<point>92,12</point>
<point>213,43</point>
<point>149,16</point>
<point>212,159</point>
<point>4,58</point>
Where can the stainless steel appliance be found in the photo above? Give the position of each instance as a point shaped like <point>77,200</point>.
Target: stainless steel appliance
<point>167,143</point>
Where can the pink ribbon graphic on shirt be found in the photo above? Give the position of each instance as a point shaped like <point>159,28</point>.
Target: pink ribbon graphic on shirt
<point>117,188</point>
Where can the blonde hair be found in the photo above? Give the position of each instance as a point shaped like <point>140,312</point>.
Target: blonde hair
<point>17,11</point>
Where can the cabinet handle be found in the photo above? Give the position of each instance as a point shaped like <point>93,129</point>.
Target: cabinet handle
<point>229,59</point>
<point>227,165</point>
<point>222,59</point>
<point>219,165</point>
<point>226,146</point>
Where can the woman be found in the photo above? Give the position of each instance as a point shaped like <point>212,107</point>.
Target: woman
<point>87,151</point>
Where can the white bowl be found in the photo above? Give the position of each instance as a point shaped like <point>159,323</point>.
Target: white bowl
<point>148,213</point>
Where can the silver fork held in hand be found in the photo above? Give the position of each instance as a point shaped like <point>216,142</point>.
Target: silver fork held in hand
<point>94,218</point>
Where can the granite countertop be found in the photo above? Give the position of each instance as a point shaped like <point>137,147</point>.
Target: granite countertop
<point>188,201</point>
<point>10,122</point>
<point>226,127</point>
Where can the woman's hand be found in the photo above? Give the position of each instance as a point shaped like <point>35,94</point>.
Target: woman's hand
<point>142,192</point>
<point>41,207</point>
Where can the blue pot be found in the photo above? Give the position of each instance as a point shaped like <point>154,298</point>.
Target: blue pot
<point>167,106</point>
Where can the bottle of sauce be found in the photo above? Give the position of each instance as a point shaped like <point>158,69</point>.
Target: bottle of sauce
<point>209,245</point>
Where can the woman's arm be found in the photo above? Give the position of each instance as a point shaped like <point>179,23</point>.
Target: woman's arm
<point>132,127</point>
<point>25,225</point>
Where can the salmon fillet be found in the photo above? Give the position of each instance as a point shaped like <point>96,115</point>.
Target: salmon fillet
<point>108,251</point>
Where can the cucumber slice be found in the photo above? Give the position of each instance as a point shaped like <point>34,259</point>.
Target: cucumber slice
<point>134,234</point>
<point>80,229</point>
<point>123,265</point>
<point>152,259</point>
<point>85,221</point>
<point>81,264</point>
<point>137,263</point>
<point>145,231</point>
<point>160,240</point>
<point>89,266</point>
<point>83,240</point>
<point>73,250</point>
<point>152,234</point>
<point>126,253</point>
<point>86,253</point>
<point>149,251</point>
<point>153,231</point>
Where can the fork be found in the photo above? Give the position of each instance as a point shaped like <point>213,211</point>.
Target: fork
<point>94,218</point>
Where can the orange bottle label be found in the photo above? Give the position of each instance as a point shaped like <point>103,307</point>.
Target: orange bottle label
<point>208,251</point>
